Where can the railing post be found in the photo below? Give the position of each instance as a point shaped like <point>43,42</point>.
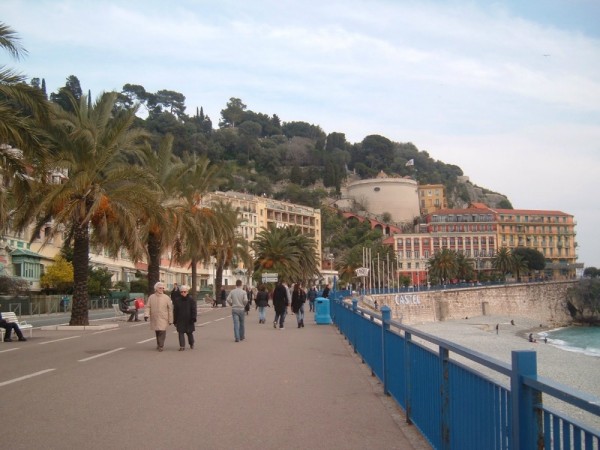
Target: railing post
<point>354,322</point>
<point>444,355</point>
<point>524,421</point>
<point>386,315</point>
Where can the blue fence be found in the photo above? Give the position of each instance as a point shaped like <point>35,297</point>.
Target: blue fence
<point>454,405</point>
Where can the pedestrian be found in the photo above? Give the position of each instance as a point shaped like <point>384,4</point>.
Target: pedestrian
<point>262,302</point>
<point>128,309</point>
<point>10,327</point>
<point>280,303</point>
<point>160,312</point>
<point>249,295</point>
<point>238,299</point>
<point>184,316</point>
<point>312,296</point>
<point>497,328</point>
<point>175,292</point>
<point>223,297</point>
<point>326,291</point>
<point>298,300</point>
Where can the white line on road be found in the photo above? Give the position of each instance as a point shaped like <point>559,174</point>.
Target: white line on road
<point>31,375</point>
<point>9,350</point>
<point>205,323</point>
<point>101,354</point>
<point>147,340</point>
<point>58,340</point>
<point>105,331</point>
<point>222,318</point>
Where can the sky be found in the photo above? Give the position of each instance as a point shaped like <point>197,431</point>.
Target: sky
<point>507,90</point>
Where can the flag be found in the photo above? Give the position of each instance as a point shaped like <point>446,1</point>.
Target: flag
<point>410,162</point>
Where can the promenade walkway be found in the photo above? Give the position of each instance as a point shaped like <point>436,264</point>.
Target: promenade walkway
<point>278,389</point>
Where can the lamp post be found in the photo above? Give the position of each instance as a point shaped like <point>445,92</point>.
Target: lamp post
<point>330,257</point>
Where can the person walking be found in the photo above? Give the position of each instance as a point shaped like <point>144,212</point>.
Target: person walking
<point>326,291</point>
<point>176,292</point>
<point>312,296</point>
<point>238,299</point>
<point>223,297</point>
<point>249,293</point>
<point>262,302</point>
<point>184,316</point>
<point>298,300</point>
<point>280,303</point>
<point>160,312</point>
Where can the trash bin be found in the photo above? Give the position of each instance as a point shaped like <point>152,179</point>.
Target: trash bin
<point>322,311</point>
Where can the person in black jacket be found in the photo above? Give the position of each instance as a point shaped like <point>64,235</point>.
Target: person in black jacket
<point>326,291</point>
<point>184,316</point>
<point>262,302</point>
<point>280,303</point>
<point>298,300</point>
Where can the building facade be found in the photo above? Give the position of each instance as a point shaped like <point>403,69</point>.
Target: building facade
<point>432,198</point>
<point>479,231</point>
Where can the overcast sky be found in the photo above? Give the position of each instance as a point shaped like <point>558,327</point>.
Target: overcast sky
<point>507,90</point>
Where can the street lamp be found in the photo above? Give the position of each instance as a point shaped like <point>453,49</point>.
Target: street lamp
<point>330,257</point>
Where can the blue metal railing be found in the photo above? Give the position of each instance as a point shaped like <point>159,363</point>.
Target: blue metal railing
<point>454,405</point>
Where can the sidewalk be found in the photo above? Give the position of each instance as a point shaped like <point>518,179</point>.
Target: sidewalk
<point>278,389</point>
<point>305,388</point>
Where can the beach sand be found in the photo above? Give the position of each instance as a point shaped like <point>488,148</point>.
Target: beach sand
<point>575,370</point>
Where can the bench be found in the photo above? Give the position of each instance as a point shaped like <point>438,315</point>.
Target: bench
<point>12,317</point>
<point>118,312</point>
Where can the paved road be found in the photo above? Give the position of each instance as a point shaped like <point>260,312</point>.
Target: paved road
<point>288,389</point>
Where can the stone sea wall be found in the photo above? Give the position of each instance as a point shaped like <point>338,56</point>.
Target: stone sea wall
<point>545,302</point>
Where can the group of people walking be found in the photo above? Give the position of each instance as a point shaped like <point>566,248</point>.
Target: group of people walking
<point>180,309</point>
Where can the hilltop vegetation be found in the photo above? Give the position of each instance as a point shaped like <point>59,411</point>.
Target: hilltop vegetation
<point>295,161</point>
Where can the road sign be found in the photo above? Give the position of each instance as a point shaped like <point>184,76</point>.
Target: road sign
<point>269,277</point>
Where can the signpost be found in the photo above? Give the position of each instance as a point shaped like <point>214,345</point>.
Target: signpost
<point>270,277</point>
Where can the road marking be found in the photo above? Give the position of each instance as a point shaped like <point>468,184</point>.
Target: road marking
<point>205,323</point>
<point>105,331</point>
<point>101,354</point>
<point>222,318</point>
<point>147,340</point>
<point>10,350</point>
<point>58,340</point>
<point>31,375</point>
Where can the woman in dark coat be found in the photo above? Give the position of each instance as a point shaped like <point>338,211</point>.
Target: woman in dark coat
<point>298,299</point>
<point>280,303</point>
<point>184,316</point>
<point>262,302</point>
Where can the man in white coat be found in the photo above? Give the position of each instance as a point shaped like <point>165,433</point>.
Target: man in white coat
<point>160,311</point>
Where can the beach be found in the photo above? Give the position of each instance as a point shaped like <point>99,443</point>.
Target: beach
<point>575,370</point>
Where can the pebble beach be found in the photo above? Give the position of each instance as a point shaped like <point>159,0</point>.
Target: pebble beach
<point>573,369</point>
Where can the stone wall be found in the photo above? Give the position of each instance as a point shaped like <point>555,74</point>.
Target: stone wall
<point>545,302</point>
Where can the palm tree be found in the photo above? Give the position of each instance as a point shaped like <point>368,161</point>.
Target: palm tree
<point>519,266</point>
<point>103,193</point>
<point>465,267</point>
<point>503,261</point>
<point>443,265</point>
<point>228,245</point>
<point>158,228</point>
<point>196,225</point>
<point>22,109</point>
<point>284,251</point>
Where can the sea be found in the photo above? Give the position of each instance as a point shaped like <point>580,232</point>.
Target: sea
<point>574,339</point>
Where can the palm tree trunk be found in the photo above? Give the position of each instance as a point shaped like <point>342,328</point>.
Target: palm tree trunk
<point>194,265</point>
<point>218,278</point>
<point>81,246</point>
<point>154,245</point>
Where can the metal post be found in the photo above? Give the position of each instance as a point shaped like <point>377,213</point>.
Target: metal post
<point>525,419</point>
<point>386,315</point>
